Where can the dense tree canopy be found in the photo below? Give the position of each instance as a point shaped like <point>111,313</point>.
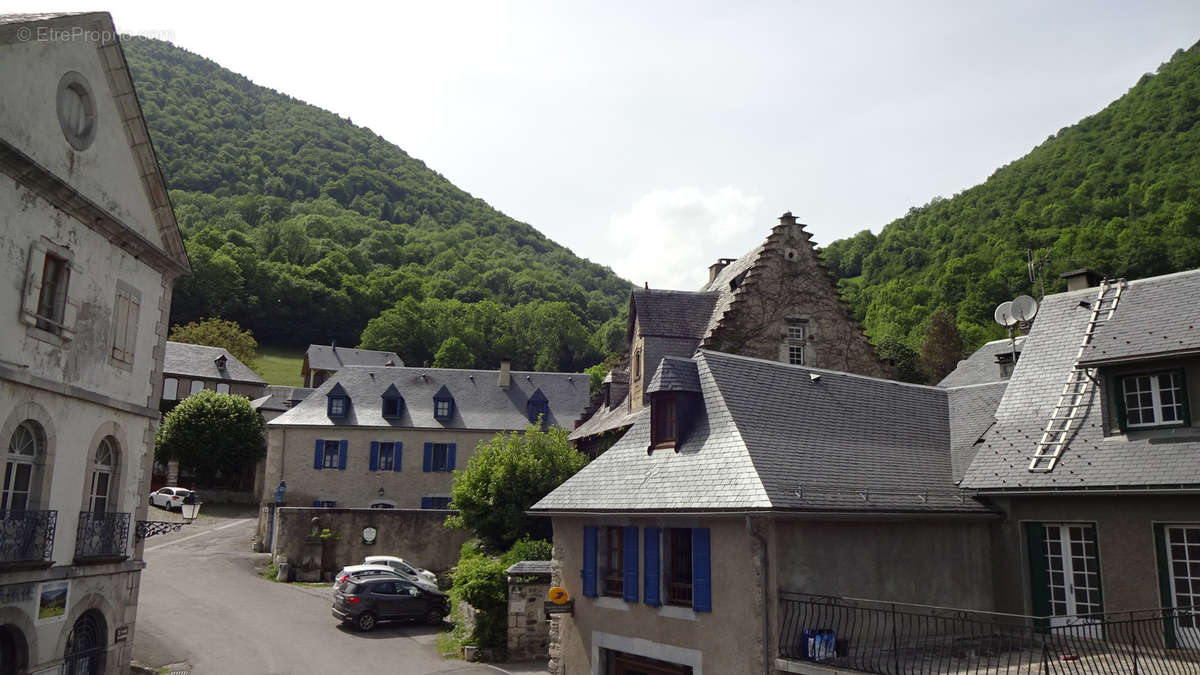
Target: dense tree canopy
<point>218,333</point>
<point>302,227</point>
<point>211,434</point>
<point>1118,192</point>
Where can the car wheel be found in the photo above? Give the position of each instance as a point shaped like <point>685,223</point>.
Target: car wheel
<point>365,622</point>
<point>434,617</point>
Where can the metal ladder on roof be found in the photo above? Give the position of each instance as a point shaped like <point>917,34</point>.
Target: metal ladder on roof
<point>1076,393</point>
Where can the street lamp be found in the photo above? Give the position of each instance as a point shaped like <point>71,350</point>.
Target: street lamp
<point>190,508</point>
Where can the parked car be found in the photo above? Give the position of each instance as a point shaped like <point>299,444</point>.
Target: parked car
<point>405,568</point>
<point>365,601</point>
<point>364,571</point>
<point>169,498</point>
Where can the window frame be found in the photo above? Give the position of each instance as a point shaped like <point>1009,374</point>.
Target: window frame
<point>390,454</point>
<point>1116,383</point>
<point>438,403</point>
<point>126,311</point>
<point>678,558</point>
<point>342,404</point>
<point>612,579</point>
<point>51,306</point>
<point>195,387</point>
<point>537,411</point>
<point>171,385</point>
<point>32,462</point>
<point>397,405</point>
<point>445,457</point>
<point>794,344</point>
<point>664,420</point>
<point>325,454</point>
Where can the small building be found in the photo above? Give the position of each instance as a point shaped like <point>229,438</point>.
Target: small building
<point>745,479</point>
<point>321,361</point>
<point>90,251</point>
<point>189,368</point>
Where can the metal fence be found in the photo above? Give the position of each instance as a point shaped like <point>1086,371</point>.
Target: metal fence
<point>27,536</point>
<point>102,535</point>
<point>895,638</point>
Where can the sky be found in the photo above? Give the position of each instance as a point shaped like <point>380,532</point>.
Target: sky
<point>657,136</point>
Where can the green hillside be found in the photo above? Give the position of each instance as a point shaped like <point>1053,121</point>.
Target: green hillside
<point>303,227</point>
<point>1118,192</point>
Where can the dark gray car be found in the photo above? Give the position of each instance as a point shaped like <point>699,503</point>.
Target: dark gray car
<point>365,601</point>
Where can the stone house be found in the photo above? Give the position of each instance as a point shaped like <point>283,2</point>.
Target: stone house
<point>1093,453</point>
<point>391,437</point>
<point>321,361</point>
<point>189,368</point>
<point>91,250</point>
<point>777,302</point>
<point>746,478</point>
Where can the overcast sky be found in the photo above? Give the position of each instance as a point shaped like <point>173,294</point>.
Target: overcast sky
<point>655,137</point>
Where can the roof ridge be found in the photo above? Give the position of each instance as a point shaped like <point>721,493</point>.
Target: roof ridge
<point>793,366</point>
<point>702,369</point>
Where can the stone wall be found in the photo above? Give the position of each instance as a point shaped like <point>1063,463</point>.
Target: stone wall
<point>528,630</point>
<point>413,534</point>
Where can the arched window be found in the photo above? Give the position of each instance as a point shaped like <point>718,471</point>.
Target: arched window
<point>26,448</point>
<point>86,645</point>
<point>12,651</point>
<point>104,465</point>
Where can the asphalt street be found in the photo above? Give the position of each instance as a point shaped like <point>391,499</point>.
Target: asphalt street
<point>203,604</point>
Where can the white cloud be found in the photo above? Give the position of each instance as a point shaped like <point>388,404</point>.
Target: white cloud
<point>670,237</point>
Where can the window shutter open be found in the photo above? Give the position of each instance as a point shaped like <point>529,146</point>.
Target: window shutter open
<point>629,566</point>
<point>652,574</point>
<point>397,449</point>
<point>1039,586</point>
<point>1164,581</point>
<point>589,561</point>
<point>317,459</point>
<point>450,457</point>
<point>701,571</point>
<point>428,465</point>
<point>342,454</point>
<point>374,455</point>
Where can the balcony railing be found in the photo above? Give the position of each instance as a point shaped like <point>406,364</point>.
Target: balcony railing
<point>102,535</point>
<point>894,639</point>
<point>27,536</point>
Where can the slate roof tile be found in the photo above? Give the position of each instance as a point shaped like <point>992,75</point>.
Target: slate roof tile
<point>326,357</point>
<point>200,361</point>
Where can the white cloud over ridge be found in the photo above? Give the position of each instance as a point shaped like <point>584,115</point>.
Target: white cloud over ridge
<point>671,236</point>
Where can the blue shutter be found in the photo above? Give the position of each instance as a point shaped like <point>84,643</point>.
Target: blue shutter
<point>428,457</point>
<point>701,571</point>
<point>317,503</point>
<point>629,566</point>
<point>651,582</point>
<point>317,457</point>
<point>589,561</point>
<point>342,454</point>
<point>374,455</point>
<point>427,502</point>
<point>450,457</point>
<point>397,449</point>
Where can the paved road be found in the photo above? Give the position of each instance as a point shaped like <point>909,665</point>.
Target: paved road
<point>202,602</point>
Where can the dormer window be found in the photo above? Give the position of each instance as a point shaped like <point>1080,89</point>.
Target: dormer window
<point>443,404</point>
<point>1148,400</point>
<point>221,362</point>
<point>537,408</point>
<point>664,420</point>
<point>338,402</point>
<point>393,403</point>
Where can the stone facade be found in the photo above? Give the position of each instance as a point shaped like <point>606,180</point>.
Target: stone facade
<point>528,629</point>
<point>90,251</point>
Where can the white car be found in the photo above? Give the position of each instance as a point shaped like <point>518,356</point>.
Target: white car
<point>405,568</point>
<point>169,498</point>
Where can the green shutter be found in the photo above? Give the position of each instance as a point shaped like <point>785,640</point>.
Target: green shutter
<point>1163,558</point>
<point>1183,396</point>
<point>1039,583</point>
<point>1118,401</point>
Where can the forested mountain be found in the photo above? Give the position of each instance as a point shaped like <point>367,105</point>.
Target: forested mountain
<point>303,227</point>
<point>1118,192</point>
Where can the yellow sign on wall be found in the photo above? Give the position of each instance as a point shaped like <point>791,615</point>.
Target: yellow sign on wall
<point>557,595</point>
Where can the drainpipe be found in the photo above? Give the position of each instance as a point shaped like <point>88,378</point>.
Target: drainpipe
<point>766,634</point>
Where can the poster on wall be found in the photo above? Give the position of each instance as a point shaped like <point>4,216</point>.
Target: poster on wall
<point>52,601</point>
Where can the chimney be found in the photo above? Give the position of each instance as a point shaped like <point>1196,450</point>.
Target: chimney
<point>715,268</point>
<point>505,374</point>
<point>787,218</point>
<point>1082,278</point>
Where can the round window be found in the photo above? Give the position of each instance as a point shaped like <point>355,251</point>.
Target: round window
<point>76,110</point>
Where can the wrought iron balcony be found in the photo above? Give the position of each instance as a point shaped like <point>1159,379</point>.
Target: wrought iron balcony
<point>27,536</point>
<point>102,536</point>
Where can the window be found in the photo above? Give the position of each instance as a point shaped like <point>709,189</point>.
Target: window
<point>1064,562</point>
<point>385,456</point>
<point>637,364</point>
<point>538,410</point>
<point>613,555</point>
<point>222,387</point>
<point>76,110</point>
<point>392,407</point>
<point>324,504</point>
<point>52,298</point>
<point>797,336</point>
<point>26,448</point>
<point>102,472</point>
<point>86,646</point>
<point>197,387</point>
<point>1179,579</point>
<point>679,566</point>
<point>125,319</point>
<point>664,427</point>
<point>439,457</point>
<point>435,502</point>
<point>381,504</point>
<point>330,455</point>
<point>337,406</point>
<point>443,408</point>
<point>1153,399</point>
<point>170,389</point>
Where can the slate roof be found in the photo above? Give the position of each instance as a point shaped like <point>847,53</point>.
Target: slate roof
<point>479,403</point>
<point>1141,329</point>
<point>972,413</point>
<point>326,357</point>
<point>682,314</point>
<point>26,18</point>
<point>530,567</point>
<point>981,367</point>
<point>675,374</point>
<point>199,361</point>
<point>770,437</point>
<point>722,286</point>
<point>281,398</point>
<point>605,419</point>
<point>1153,458</point>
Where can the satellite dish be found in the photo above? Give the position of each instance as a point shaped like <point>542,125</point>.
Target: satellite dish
<point>1004,315</point>
<point>1024,308</point>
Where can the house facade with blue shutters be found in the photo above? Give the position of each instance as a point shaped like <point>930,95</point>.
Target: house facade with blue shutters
<point>745,478</point>
<point>391,437</point>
